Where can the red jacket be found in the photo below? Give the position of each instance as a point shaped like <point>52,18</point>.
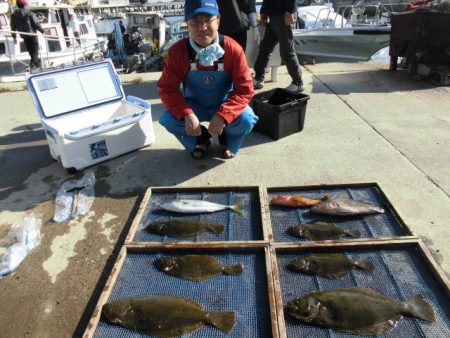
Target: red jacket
<point>177,68</point>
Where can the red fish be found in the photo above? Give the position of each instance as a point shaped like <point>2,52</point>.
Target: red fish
<point>295,201</point>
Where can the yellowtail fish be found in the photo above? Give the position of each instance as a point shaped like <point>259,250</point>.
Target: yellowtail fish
<point>328,265</point>
<point>195,267</point>
<point>183,228</point>
<point>165,316</point>
<point>198,206</point>
<point>357,310</point>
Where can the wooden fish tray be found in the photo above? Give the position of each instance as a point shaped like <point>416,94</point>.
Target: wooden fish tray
<point>259,239</point>
<point>248,229</point>
<point>250,294</point>
<point>403,268</point>
<point>384,226</point>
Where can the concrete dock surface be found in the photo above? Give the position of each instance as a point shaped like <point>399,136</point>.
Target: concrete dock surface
<point>363,124</point>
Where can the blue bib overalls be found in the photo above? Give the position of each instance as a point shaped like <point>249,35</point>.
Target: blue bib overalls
<point>205,91</point>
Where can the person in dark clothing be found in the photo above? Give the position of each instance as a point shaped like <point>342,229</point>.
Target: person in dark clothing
<point>278,16</point>
<point>237,16</point>
<point>24,20</point>
<point>122,27</point>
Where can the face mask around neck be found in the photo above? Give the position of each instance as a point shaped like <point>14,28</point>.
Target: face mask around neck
<point>209,54</point>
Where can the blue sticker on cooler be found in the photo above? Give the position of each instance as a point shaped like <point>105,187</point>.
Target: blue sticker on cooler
<point>98,149</point>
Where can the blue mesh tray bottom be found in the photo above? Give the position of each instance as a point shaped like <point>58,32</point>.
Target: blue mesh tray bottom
<point>245,294</point>
<point>370,226</point>
<point>237,227</point>
<point>399,274</point>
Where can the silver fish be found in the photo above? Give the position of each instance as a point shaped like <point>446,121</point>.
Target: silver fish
<point>346,207</point>
<point>198,206</point>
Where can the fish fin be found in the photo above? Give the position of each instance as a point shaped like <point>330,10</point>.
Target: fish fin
<point>383,327</point>
<point>337,275</point>
<point>365,265</point>
<point>216,228</point>
<point>323,225</point>
<point>325,197</point>
<point>236,208</point>
<point>419,307</point>
<point>353,233</point>
<point>222,320</point>
<point>365,291</point>
<point>233,269</point>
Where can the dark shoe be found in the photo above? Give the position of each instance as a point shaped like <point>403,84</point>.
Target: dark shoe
<point>200,150</point>
<point>226,152</point>
<point>258,84</point>
<point>295,88</point>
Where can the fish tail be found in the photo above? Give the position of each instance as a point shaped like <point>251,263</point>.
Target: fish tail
<point>233,269</point>
<point>222,320</point>
<point>216,228</point>
<point>365,265</point>
<point>379,210</point>
<point>353,233</point>
<point>418,307</point>
<point>236,208</point>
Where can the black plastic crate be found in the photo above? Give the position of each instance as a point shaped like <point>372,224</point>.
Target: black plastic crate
<point>281,112</point>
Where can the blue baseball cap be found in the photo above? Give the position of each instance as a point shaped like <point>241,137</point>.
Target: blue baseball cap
<point>195,7</point>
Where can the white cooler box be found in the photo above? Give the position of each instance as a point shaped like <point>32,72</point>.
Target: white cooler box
<point>86,117</point>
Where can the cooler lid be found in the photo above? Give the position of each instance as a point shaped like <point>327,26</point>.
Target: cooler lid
<point>66,90</point>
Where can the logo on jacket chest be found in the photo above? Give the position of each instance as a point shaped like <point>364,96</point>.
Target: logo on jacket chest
<point>207,80</point>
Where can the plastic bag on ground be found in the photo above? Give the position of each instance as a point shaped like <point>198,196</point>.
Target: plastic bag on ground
<point>23,237</point>
<point>74,198</point>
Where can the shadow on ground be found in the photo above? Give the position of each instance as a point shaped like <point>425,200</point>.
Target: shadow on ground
<point>369,81</point>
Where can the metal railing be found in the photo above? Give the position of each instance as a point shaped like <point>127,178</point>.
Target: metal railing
<point>81,48</point>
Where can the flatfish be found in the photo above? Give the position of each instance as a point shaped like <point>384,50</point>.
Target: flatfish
<point>165,316</point>
<point>357,310</point>
<point>345,207</point>
<point>198,206</point>
<point>183,228</point>
<point>195,267</point>
<point>321,231</point>
<point>328,265</point>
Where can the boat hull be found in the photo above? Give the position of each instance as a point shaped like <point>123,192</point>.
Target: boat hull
<point>341,44</point>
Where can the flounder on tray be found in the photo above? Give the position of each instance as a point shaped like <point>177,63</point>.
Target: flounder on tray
<point>357,310</point>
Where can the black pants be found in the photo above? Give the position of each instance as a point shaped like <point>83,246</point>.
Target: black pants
<point>278,32</point>
<point>32,45</point>
<point>240,38</point>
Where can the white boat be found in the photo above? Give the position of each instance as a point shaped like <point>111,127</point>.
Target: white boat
<point>57,47</point>
<point>328,36</point>
<point>4,8</point>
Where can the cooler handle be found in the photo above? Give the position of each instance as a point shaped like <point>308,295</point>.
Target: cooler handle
<point>140,102</point>
<point>105,127</point>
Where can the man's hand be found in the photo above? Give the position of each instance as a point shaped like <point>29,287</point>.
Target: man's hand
<point>216,125</point>
<point>289,18</point>
<point>192,125</point>
<point>264,21</point>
